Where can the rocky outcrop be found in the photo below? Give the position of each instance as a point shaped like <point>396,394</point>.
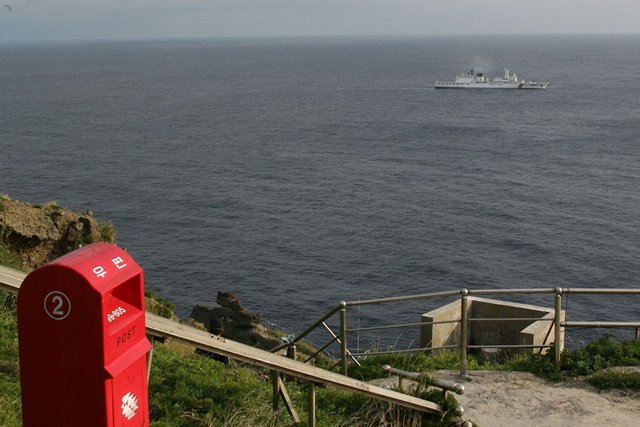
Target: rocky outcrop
<point>235,322</point>
<point>40,233</point>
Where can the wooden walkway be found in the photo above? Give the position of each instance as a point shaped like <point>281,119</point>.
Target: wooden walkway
<point>160,327</point>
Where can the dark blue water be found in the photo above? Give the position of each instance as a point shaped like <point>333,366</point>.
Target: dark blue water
<point>301,172</point>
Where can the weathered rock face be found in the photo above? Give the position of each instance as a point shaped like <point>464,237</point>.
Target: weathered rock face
<point>38,234</point>
<point>234,321</point>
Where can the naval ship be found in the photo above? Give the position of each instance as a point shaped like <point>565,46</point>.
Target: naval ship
<point>477,80</point>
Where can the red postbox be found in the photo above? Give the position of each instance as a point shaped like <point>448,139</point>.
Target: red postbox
<point>81,332</point>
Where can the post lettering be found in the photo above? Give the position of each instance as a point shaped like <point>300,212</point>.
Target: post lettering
<point>119,262</point>
<point>99,271</point>
<point>125,336</point>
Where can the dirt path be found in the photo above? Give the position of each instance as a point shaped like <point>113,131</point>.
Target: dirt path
<point>508,399</point>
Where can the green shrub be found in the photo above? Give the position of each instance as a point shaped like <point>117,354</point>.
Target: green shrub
<point>596,356</point>
<point>156,305</point>
<point>107,232</point>
<point>616,380</point>
<point>600,354</point>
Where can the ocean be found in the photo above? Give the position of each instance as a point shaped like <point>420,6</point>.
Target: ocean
<point>299,172</point>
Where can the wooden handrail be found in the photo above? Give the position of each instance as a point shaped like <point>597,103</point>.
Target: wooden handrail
<point>160,327</point>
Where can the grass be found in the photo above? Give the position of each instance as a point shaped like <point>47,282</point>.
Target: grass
<point>7,258</point>
<point>10,407</point>
<point>190,390</point>
<point>371,367</point>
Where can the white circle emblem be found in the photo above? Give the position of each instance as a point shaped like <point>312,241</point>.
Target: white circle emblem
<point>57,305</point>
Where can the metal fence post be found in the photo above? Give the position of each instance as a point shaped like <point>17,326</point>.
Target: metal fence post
<point>291,351</point>
<point>464,304</point>
<point>343,336</point>
<point>557,320</point>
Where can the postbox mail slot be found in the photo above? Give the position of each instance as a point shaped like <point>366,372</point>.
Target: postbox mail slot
<point>139,350</point>
<point>121,339</point>
<point>122,302</point>
<point>129,292</point>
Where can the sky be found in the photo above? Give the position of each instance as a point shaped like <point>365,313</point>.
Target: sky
<point>37,20</point>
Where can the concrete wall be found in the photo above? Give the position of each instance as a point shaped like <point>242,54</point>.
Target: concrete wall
<point>441,334</point>
<point>490,332</point>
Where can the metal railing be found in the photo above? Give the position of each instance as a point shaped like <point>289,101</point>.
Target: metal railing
<point>445,385</point>
<point>557,325</point>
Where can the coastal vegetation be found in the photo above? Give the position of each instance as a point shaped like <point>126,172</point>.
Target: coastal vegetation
<point>599,362</point>
<point>9,372</point>
<point>590,362</point>
<point>7,258</point>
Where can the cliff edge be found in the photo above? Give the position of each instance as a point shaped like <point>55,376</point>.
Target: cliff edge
<point>37,234</point>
